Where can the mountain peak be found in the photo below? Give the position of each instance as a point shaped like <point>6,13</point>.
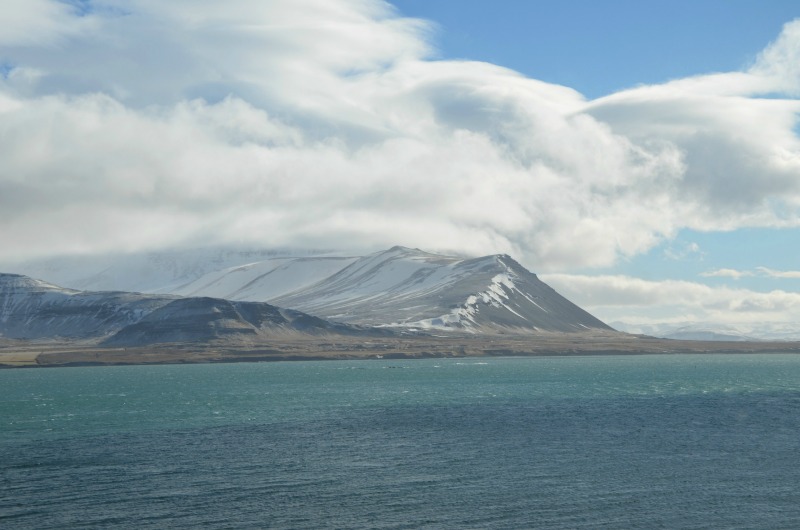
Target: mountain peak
<point>401,251</point>
<point>12,282</point>
<point>400,248</point>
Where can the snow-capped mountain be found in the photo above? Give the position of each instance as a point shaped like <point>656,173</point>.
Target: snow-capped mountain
<point>409,288</point>
<point>402,287</point>
<point>397,288</point>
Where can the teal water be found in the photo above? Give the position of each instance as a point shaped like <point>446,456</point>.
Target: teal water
<point>702,441</point>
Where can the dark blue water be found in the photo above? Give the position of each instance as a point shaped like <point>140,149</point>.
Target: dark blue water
<point>579,442</point>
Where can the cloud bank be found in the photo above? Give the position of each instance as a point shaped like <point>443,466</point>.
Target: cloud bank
<point>325,123</point>
<point>764,272</point>
<point>644,305</point>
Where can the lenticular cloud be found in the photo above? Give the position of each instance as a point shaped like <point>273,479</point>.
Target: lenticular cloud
<point>137,125</point>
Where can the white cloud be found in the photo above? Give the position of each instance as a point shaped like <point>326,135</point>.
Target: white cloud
<point>779,63</point>
<point>39,23</point>
<point>726,273</point>
<point>636,301</point>
<point>772,273</point>
<point>763,272</point>
<point>144,124</point>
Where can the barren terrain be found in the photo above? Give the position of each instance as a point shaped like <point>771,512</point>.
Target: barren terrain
<point>19,353</point>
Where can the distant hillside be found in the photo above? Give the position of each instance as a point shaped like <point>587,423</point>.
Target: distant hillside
<point>710,331</point>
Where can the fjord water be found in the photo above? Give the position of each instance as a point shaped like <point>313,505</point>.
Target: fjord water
<point>701,441</point>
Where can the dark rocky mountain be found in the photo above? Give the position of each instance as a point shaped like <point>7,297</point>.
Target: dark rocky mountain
<point>202,319</point>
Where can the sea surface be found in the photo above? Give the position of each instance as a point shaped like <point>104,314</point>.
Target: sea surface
<point>673,441</point>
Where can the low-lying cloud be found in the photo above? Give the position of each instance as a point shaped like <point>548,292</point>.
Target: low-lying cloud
<point>635,301</point>
<point>764,272</point>
<point>324,123</point>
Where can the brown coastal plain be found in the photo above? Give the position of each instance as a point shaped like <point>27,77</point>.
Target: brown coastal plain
<point>21,353</point>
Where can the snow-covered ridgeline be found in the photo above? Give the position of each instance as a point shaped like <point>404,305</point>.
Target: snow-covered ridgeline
<point>165,271</point>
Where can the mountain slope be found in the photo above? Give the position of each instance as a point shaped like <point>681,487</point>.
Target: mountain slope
<point>264,280</point>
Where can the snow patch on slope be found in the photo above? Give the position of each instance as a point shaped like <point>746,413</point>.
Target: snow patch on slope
<point>463,317</point>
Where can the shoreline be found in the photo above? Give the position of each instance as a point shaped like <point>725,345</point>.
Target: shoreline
<point>24,354</point>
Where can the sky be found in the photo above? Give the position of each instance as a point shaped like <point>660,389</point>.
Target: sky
<point>642,157</point>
